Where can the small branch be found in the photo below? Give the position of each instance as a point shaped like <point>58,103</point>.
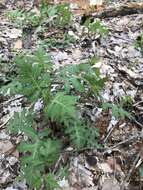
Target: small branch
<point>109,133</point>
<point>2,126</point>
<point>13,99</point>
<point>127,140</point>
<point>130,171</point>
<point>57,164</point>
<point>138,123</point>
<point>136,104</point>
<point>123,10</point>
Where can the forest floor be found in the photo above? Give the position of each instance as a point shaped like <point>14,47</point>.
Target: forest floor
<point>118,166</point>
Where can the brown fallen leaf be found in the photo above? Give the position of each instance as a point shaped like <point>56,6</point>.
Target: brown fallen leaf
<point>18,44</point>
<point>113,164</point>
<point>84,6</point>
<point>110,184</point>
<point>97,3</point>
<point>6,146</point>
<point>105,167</point>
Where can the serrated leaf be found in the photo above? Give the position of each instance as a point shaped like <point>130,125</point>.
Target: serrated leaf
<point>82,76</point>
<point>117,112</point>
<point>52,11</point>
<point>83,136</point>
<point>11,88</point>
<point>51,182</point>
<point>32,176</point>
<point>77,135</point>
<point>22,122</point>
<point>34,74</point>
<point>77,84</point>
<point>62,108</point>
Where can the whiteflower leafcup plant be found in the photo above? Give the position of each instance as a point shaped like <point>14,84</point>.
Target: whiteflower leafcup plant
<point>41,150</point>
<point>35,79</point>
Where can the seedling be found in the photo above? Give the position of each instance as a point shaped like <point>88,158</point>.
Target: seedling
<point>58,16</point>
<point>139,43</point>
<point>41,149</point>
<point>117,111</point>
<point>126,102</point>
<point>96,27</point>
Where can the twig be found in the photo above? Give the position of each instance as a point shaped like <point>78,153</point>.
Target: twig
<point>130,171</point>
<point>109,133</point>
<point>13,99</point>
<point>127,140</point>
<point>57,163</point>
<point>123,10</point>
<point>138,103</point>
<point>138,123</point>
<point>2,126</point>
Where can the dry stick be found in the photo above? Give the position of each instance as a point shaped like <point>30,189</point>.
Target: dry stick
<point>123,10</point>
<point>138,123</point>
<point>138,103</point>
<point>127,140</point>
<point>2,126</point>
<point>130,171</point>
<point>57,164</point>
<point>13,99</point>
<point>109,133</point>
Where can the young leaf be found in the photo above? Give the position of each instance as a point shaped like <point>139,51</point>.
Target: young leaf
<point>83,136</point>
<point>96,27</point>
<point>32,175</point>
<point>77,135</point>
<point>62,108</point>
<point>34,74</point>
<point>117,111</point>
<point>82,76</point>
<point>22,122</point>
<point>63,15</point>
<point>38,155</point>
<point>51,182</point>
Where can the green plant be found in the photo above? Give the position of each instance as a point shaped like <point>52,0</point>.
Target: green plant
<point>41,148</point>
<point>23,18</point>
<point>82,135</point>
<point>126,102</point>
<point>11,88</point>
<point>117,111</point>
<point>34,74</point>
<point>16,16</point>
<point>50,182</point>
<point>62,108</point>
<point>39,152</point>
<point>56,15</point>
<point>82,77</point>
<point>59,15</point>
<point>96,27</point>
<point>64,42</point>
<point>32,18</point>
<point>139,43</point>
<point>63,15</point>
